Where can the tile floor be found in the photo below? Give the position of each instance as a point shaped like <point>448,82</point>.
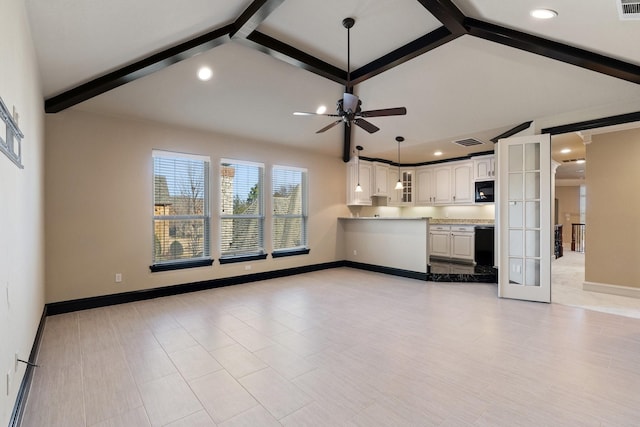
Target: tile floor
<point>339,347</point>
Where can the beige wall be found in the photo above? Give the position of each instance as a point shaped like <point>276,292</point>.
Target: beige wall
<point>99,203</point>
<point>21,204</point>
<point>568,210</point>
<point>613,207</point>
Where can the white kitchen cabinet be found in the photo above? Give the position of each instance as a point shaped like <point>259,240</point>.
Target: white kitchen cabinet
<point>484,168</point>
<point>462,183</point>
<point>407,177</point>
<point>425,194</point>
<point>380,175</point>
<point>463,242</point>
<point>393,198</point>
<point>442,185</point>
<point>440,241</point>
<point>452,241</point>
<point>364,178</point>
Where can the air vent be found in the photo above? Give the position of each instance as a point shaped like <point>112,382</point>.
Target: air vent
<point>629,9</point>
<point>468,142</point>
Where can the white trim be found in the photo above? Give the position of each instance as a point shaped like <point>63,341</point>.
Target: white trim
<point>605,288</point>
<point>241,162</point>
<point>292,168</point>
<point>176,154</point>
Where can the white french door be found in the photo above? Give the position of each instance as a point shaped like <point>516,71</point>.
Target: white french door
<point>525,218</point>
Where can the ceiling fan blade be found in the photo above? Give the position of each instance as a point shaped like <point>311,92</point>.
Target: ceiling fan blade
<point>399,111</point>
<point>302,113</point>
<point>329,126</point>
<point>369,127</point>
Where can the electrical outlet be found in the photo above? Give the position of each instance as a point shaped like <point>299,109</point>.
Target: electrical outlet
<point>355,252</point>
<point>15,362</point>
<point>247,267</point>
<point>118,277</point>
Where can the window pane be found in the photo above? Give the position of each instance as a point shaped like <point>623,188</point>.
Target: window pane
<point>241,236</point>
<point>241,208</point>
<point>289,208</point>
<point>180,239</point>
<point>181,207</point>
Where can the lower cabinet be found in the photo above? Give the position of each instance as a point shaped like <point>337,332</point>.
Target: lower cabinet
<point>452,241</point>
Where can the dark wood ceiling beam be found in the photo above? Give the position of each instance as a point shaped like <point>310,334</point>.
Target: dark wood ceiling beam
<point>594,124</point>
<point>403,54</point>
<point>137,70</point>
<point>554,50</point>
<point>512,131</point>
<point>447,13</point>
<point>296,57</point>
<point>253,16</point>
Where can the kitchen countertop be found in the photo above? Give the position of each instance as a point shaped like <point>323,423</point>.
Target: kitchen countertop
<point>387,217</point>
<point>451,221</point>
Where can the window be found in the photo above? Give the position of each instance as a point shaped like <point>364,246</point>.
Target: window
<point>289,203</point>
<point>241,211</point>
<point>181,210</point>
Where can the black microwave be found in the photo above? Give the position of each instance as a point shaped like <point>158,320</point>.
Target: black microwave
<point>484,191</point>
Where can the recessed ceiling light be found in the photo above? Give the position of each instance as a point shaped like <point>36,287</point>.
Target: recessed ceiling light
<point>580,161</point>
<point>205,73</point>
<point>321,109</point>
<point>565,150</point>
<point>438,153</point>
<point>543,13</point>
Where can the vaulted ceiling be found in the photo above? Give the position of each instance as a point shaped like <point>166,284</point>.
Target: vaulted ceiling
<point>462,68</point>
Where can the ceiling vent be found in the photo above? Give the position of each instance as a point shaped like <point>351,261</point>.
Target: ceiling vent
<point>629,9</point>
<point>468,142</point>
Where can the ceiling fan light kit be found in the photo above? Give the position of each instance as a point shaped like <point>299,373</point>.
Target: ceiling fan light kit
<point>348,109</point>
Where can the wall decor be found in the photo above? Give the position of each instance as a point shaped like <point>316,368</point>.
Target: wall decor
<point>11,142</point>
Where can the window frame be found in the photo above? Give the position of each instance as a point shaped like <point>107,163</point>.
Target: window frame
<point>303,248</point>
<point>205,217</point>
<point>226,257</point>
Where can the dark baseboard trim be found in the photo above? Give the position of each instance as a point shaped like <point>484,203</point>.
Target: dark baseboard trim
<point>387,270</point>
<point>125,297</point>
<point>25,385</point>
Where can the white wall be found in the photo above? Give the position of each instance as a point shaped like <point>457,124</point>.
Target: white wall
<point>99,202</point>
<point>21,203</point>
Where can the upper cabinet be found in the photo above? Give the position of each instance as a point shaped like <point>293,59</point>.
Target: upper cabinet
<point>425,194</point>
<point>380,175</point>
<point>484,168</point>
<point>407,176</point>
<point>462,184</point>
<point>448,183</point>
<point>359,175</point>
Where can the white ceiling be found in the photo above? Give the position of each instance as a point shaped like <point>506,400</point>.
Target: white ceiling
<point>466,88</point>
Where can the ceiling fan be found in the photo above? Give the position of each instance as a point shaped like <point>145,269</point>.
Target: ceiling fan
<point>348,109</point>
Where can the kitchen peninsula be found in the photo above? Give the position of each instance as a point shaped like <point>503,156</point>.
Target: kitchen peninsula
<point>396,245</point>
<point>402,246</point>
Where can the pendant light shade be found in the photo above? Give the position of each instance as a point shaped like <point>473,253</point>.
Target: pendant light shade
<point>358,187</point>
<point>399,185</point>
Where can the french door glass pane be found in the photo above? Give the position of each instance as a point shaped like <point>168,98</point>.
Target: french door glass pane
<point>532,157</point>
<point>515,214</point>
<point>515,186</point>
<point>515,158</point>
<point>515,242</point>
<point>532,215</point>
<point>532,240</point>
<point>532,185</point>
<point>532,270</point>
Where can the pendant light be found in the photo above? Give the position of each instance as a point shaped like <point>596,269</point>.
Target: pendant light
<point>399,185</point>
<point>358,187</point>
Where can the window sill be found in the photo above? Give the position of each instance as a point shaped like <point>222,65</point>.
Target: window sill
<point>179,265</point>
<point>282,254</point>
<point>242,258</point>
